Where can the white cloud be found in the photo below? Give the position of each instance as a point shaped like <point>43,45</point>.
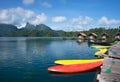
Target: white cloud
<point>59,19</point>
<point>79,23</point>
<point>19,16</point>
<point>42,18</point>
<point>28,2</point>
<point>46,4</point>
<point>105,22</point>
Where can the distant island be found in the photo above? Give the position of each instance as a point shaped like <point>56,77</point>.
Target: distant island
<point>42,30</point>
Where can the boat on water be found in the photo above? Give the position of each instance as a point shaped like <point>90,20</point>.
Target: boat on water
<point>100,47</point>
<point>69,62</point>
<point>74,68</point>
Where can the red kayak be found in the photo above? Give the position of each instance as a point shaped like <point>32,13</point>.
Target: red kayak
<point>75,67</point>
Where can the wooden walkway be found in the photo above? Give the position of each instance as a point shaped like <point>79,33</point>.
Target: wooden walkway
<point>110,70</point>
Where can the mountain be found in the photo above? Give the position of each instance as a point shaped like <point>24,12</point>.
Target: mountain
<point>37,30</point>
<point>29,26</point>
<point>7,30</point>
<point>40,27</point>
<point>41,30</point>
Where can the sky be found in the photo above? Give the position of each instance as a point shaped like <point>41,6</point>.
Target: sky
<point>67,15</point>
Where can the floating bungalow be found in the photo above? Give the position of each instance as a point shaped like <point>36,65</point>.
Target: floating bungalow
<point>81,37</point>
<point>92,37</point>
<point>104,37</point>
<point>117,36</point>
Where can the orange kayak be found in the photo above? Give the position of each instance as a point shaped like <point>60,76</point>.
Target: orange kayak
<point>75,67</point>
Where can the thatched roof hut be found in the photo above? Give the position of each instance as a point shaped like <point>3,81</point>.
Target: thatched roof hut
<point>93,34</point>
<point>82,34</point>
<point>105,34</point>
<point>92,37</point>
<point>104,37</point>
<point>81,37</point>
<point>117,36</point>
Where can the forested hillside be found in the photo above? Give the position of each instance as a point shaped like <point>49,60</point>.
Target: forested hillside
<point>43,30</point>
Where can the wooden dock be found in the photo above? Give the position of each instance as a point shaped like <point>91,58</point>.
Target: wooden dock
<point>110,70</point>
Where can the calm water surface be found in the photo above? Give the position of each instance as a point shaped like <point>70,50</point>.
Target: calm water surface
<point>24,59</point>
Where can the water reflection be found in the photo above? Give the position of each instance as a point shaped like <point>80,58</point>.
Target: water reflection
<point>26,59</point>
<point>73,74</point>
<point>19,50</point>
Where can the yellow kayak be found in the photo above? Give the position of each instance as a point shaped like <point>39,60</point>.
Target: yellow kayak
<point>100,47</point>
<point>69,62</point>
<point>101,52</point>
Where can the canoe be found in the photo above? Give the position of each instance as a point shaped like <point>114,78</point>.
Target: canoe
<point>101,52</point>
<point>69,62</point>
<point>100,47</point>
<point>74,68</point>
<point>72,74</point>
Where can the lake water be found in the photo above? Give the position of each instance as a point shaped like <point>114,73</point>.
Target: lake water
<point>26,59</point>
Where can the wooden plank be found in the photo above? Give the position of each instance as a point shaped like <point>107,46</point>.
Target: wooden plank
<point>114,51</point>
<point>110,70</point>
<point>109,61</point>
<point>111,64</point>
<point>114,55</point>
<point>109,77</point>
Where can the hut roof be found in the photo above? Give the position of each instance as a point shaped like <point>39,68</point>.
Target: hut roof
<point>93,34</point>
<point>118,34</point>
<point>104,34</point>
<point>82,34</point>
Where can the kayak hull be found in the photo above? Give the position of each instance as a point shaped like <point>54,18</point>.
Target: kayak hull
<point>75,67</point>
<point>69,62</point>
